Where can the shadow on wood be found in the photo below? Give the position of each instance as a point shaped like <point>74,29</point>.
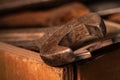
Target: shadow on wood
<point>105,67</point>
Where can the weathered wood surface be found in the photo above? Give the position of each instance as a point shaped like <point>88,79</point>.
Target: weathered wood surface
<point>21,64</point>
<point>50,18</point>
<point>114,17</point>
<point>105,67</point>
<point>11,5</point>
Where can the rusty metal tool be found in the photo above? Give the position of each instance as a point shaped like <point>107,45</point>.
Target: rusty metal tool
<point>56,54</point>
<point>57,47</point>
<point>75,40</point>
<point>26,37</point>
<point>21,37</point>
<point>111,38</point>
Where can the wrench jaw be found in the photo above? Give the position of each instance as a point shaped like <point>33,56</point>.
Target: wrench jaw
<point>98,30</point>
<point>60,56</point>
<point>85,51</point>
<point>95,25</point>
<point>83,31</point>
<point>60,53</point>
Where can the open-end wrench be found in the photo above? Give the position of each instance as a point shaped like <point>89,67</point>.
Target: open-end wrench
<point>112,37</point>
<point>75,40</point>
<point>60,55</point>
<point>27,37</point>
<point>58,46</point>
<point>56,53</point>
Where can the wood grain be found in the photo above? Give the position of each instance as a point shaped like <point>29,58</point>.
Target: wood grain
<point>105,67</point>
<point>49,18</point>
<point>20,64</point>
<point>114,17</point>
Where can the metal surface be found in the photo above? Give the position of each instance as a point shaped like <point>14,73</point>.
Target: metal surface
<point>59,42</point>
<point>68,43</point>
<point>26,37</point>
<point>112,37</point>
<point>56,52</point>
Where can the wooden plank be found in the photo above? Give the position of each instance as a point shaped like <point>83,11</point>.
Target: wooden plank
<point>114,17</point>
<point>47,18</point>
<point>105,67</point>
<point>20,64</point>
<point>18,5</point>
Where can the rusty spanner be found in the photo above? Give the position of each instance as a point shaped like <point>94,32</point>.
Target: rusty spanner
<point>59,47</point>
<point>27,37</point>
<point>79,39</point>
<point>57,54</point>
